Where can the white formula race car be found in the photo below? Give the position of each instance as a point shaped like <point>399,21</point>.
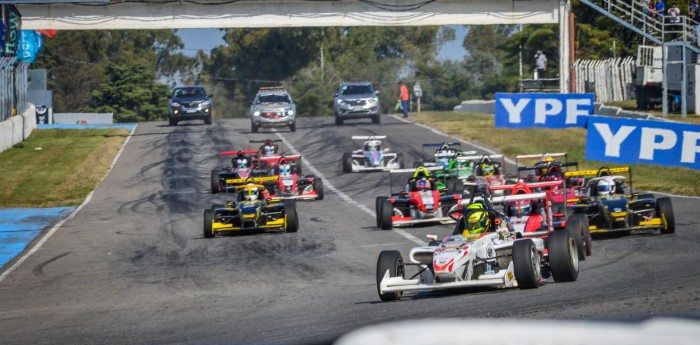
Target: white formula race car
<point>371,157</point>
<point>483,250</point>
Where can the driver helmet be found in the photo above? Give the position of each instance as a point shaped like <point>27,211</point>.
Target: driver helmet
<point>241,162</point>
<point>372,146</point>
<point>269,149</point>
<point>443,161</point>
<point>605,188</point>
<point>423,184</point>
<point>478,221</point>
<point>520,208</point>
<point>285,169</point>
<point>488,169</point>
<point>251,194</point>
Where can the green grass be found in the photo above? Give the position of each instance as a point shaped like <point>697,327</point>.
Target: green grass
<point>479,128</point>
<point>57,167</point>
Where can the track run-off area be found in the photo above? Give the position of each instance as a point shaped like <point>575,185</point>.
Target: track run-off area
<point>132,266</point>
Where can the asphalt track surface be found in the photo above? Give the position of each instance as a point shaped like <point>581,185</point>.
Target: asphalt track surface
<point>132,265</point>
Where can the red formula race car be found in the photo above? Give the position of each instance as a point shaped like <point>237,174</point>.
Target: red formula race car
<point>290,184</point>
<point>531,213</point>
<point>420,202</point>
<point>547,168</point>
<point>241,168</point>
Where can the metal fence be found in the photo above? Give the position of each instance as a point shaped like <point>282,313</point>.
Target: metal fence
<point>13,87</point>
<point>610,80</point>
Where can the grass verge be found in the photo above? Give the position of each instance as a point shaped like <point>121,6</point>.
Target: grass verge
<point>479,128</point>
<point>57,167</point>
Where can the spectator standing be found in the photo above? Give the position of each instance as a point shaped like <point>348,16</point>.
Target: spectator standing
<point>659,10</point>
<point>403,96</point>
<point>674,14</point>
<point>540,64</point>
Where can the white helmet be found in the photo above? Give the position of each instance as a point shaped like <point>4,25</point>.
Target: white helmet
<point>241,163</point>
<point>284,169</point>
<point>251,194</point>
<point>269,149</point>
<point>605,188</point>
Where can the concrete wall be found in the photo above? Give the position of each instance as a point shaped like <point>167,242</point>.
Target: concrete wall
<point>17,128</point>
<point>474,106</point>
<point>83,118</point>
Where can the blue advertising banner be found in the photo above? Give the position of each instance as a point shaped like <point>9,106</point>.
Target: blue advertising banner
<point>623,140</point>
<point>522,110</point>
<point>12,22</point>
<point>28,45</point>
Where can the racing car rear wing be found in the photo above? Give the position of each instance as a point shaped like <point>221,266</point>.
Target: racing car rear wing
<point>541,155</point>
<point>597,173</point>
<point>258,180</point>
<point>368,137</point>
<point>441,144</point>
<point>409,170</point>
<point>245,152</point>
<point>261,141</point>
<point>528,185</point>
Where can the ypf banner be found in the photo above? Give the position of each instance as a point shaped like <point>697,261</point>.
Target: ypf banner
<point>522,110</point>
<point>623,140</point>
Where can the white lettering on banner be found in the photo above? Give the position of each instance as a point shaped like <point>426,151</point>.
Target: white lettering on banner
<point>514,110</point>
<point>649,144</point>
<point>573,111</point>
<point>546,107</point>
<point>690,147</point>
<point>613,141</point>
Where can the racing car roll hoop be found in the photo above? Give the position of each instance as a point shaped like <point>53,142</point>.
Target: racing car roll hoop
<point>483,250</point>
<point>371,157</point>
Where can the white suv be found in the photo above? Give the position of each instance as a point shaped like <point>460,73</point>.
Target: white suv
<point>356,100</point>
<point>273,107</point>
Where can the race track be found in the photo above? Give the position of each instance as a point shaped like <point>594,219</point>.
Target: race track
<point>132,265</point>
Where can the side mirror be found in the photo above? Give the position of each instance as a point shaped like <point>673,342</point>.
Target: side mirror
<point>431,237</point>
<point>386,149</point>
<point>210,95</point>
<point>335,94</point>
<point>377,93</point>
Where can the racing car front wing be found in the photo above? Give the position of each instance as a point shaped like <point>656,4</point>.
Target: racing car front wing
<point>501,279</point>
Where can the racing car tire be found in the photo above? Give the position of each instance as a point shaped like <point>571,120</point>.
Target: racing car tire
<point>575,226</point>
<point>393,261</point>
<point>208,232</point>
<point>379,202</point>
<point>563,256</point>
<point>664,208</point>
<point>386,211</point>
<point>214,181</point>
<point>376,119</point>
<point>526,264</point>
<point>172,122</point>
<point>207,121</point>
<point>293,127</point>
<point>318,187</point>
<point>338,121</point>
<point>400,160</point>
<point>347,162</point>
<point>292,221</point>
<point>253,128</point>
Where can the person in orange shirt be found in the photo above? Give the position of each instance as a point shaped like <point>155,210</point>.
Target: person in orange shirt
<point>403,96</point>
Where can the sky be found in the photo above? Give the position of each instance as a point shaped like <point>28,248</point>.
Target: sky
<point>206,39</point>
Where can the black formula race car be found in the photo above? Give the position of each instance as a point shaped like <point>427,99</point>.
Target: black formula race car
<point>610,205</point>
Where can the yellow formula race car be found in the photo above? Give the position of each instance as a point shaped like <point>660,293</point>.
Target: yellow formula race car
<point>251,211</point>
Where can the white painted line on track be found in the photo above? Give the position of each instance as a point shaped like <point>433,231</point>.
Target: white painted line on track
<point>341,194</point>
<point>510,161</point>
<point>55,228</point>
